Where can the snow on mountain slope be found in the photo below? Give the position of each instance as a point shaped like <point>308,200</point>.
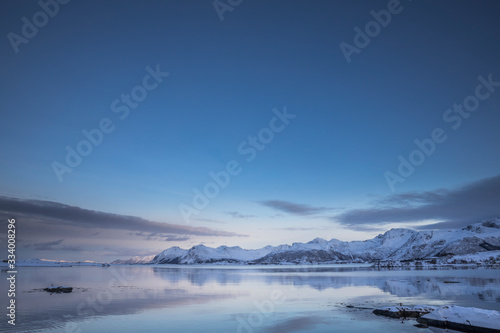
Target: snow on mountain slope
<point>395,244</point>
<point>204,254</point>
<point>383,246</point>
<point>478,237</point>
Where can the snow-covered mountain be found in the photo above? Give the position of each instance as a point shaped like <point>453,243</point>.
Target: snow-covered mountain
<point>395,244</point>
<point>135,260</point>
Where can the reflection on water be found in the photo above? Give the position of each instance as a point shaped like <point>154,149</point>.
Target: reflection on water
<point>236,298</point>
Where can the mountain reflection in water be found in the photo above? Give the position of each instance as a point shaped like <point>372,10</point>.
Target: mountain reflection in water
<point>221,298</point>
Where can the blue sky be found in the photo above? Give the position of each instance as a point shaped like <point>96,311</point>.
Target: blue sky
<point>319,176</point>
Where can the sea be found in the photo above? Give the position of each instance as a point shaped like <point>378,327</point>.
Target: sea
<point>239,299</point>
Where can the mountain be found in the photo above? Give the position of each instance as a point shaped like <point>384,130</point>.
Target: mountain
<point>395,244</point>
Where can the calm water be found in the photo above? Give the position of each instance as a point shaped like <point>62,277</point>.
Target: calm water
<point>236,298</point>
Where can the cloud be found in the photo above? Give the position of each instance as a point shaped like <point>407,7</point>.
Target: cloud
<point>294,208</point>
<point>125,252</point>
<point>160,236</point>
<point>47,212</point>
<point>457,207</point>
<point>297,229</point>
<point>174,238</point>
<point>53,246</point>
<point>46,246</point>
<point>73,248</point>
<point>209,220</point>
<point>237,215</point>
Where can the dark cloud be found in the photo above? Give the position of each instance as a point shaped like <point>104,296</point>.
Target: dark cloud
<point>452,207</point>
<point>46,246</point>
<point>53,246</point>
<point>447,224</point>
<point>47,212</point>
<point>175,238</point>
<point>297,229</point>
<point>369,228</point>
<point>294,208</point>
<point>238,215</point>
<point>73,248</point>
<point>160,236</point>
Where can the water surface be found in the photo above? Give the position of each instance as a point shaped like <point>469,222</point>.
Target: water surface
<point>170,298</point>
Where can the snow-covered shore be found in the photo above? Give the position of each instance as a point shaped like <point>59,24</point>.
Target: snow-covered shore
<point>465,319</point>
<point>489,259</point>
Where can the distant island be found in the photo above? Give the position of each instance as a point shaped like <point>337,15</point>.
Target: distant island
<point>53,263</point>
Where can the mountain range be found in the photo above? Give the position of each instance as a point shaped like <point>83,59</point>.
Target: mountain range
<point>395,244</point>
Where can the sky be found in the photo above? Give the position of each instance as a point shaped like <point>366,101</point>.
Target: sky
<point>128,127</point>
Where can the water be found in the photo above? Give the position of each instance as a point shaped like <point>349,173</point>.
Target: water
<point>239,299</point>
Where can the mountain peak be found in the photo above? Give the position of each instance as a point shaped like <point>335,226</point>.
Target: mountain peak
<point>199,247</point>
<point>480,226</point>
<point>493,223</point>
<point>317,240</point>
<point>396,232</point>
